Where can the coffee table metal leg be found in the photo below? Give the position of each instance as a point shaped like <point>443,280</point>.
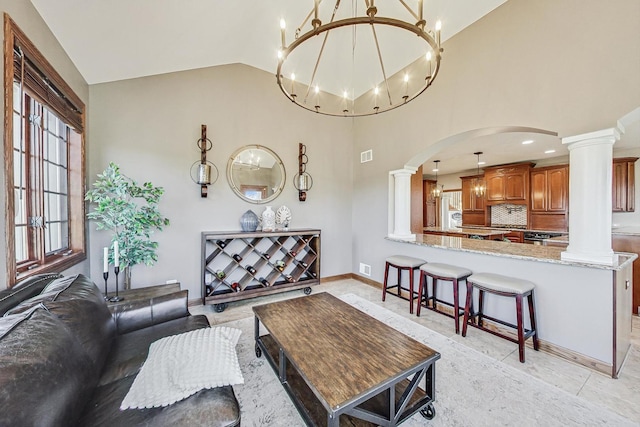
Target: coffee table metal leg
<point>333,420</point>
<point>283,367</point>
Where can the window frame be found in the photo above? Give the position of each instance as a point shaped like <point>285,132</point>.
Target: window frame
<point>76,157</point>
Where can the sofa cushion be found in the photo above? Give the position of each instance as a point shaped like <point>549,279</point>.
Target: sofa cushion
<point>25,289</point>
<point>45,376</point>
<point>63,289</point>
<point>216,407</point>
<point>129,351</point>
<point>181,365</point>
<point>90,322</point>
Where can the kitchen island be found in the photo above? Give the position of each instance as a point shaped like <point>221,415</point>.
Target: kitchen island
<point>583,310</point>
<point>472,233</point>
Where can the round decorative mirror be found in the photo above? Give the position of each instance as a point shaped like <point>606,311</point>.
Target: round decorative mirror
<point>256,174</point>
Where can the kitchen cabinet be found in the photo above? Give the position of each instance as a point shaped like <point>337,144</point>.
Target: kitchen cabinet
<point>515,236</point>
<point>507,184</point>
<point>624,184</point>
<point>549,200</point>
<point>473,207</point>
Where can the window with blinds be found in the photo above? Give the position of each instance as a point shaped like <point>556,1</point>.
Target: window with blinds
<point>44,163</point>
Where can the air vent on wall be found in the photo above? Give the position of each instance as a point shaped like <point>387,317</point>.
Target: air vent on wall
<point>366,156</point>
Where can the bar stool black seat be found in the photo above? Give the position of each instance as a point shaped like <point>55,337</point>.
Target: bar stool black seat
<point>445,272</point>
<point>505,286</point>
<point>401,263</point>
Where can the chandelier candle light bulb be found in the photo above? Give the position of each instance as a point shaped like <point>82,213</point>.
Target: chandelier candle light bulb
<point>105,268</point>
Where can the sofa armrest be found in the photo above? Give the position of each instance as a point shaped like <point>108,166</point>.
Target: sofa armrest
<point>130,315</point>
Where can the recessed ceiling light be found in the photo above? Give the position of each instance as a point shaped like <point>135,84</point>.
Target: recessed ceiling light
<point>549,151</point>
<point>528,141</point>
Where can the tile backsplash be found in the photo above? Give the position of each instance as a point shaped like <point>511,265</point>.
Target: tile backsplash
<point>509,214</point>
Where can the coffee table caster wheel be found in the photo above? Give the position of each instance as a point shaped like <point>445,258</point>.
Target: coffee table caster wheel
<point>307,290</point>
<point>429,412</point>
<point>258,350</point>
<point>219,308</point>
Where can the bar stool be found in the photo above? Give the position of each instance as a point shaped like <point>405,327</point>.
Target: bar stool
<point>446,272</point>
<point>400,263</point>
<point>505,286</point>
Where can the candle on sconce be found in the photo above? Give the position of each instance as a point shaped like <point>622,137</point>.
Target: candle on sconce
<point>116,254</point>
<point>293,80</point>
<point>106,260</point>
<point>438,28</point>
<point>429,61</point>
<point>317,90</point>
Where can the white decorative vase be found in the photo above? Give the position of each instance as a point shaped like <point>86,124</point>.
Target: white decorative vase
<point>268,219</point>
<point>283,217</point>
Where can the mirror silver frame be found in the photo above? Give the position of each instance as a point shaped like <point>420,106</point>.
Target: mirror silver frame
<point>235,186</point>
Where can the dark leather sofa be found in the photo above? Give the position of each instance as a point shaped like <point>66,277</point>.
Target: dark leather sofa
<point>66,359</point>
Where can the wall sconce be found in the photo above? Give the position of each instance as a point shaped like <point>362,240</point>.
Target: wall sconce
<point>202,170</point>
<point>302,181</point>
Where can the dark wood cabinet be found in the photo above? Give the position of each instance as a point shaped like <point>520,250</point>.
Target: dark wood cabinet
<point>515,236</point>
<point>623,191</point>
<point>241,265</point>
<point>473,207</point>
<point>507,184</point>
<point>549,200</point>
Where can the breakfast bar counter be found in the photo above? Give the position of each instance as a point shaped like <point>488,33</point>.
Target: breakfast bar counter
<point>583,310</point>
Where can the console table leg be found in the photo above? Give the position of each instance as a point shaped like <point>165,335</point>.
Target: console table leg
<point>283,367</point>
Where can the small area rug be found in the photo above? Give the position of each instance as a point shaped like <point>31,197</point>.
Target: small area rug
<point>472,389</point>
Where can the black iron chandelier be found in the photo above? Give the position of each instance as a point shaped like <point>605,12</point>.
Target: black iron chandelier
<point>355,65</point>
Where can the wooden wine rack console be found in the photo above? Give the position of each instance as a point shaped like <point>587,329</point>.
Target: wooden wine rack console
<point>241,265</point>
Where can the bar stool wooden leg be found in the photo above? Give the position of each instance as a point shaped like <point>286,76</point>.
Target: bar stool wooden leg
<point>520,323</point>
<point>456,305</point>
<point>386,275</point>
<point>467,308</point>
<point>410,290</point>
<point>399,270</point>
<point>421,289</point>
<point>434,286</point>
<point>532,318</point>
<point>480,306</point>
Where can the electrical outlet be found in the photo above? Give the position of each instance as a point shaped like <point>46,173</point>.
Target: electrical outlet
<point>366,156</point>
<point>365,269</point>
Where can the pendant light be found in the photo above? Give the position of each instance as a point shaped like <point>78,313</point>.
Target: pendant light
<point>479,186</point>
<point>436,192</point>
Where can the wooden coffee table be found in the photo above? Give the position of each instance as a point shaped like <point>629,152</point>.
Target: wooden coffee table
<point>340,366</point>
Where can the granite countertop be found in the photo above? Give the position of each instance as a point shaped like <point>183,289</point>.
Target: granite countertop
<point>465,230</point>
<point>628,230</point>
<point>550,254</point>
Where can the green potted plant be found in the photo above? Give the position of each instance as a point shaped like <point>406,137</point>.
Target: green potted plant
<point>131,212</point>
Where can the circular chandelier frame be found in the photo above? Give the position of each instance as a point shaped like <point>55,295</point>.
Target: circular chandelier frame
<point>432,39</point>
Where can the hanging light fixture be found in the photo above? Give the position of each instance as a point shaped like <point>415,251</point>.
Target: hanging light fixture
<point>437,191</point>
<point>349,65</point>
<point>479,186</point>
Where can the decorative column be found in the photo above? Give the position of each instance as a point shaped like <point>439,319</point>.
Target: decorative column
<point>590,181</point>
<point>400,197</point>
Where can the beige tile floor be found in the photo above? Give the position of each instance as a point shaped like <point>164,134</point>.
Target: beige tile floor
<point>620,395</point>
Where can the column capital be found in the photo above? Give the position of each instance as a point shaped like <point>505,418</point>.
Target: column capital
<point>407,171</point>
<point>604,136</point>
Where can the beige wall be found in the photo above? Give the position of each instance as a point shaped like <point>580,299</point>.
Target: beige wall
<point>29,21</point>
<point>149,126</point>
<point>569,66</point>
